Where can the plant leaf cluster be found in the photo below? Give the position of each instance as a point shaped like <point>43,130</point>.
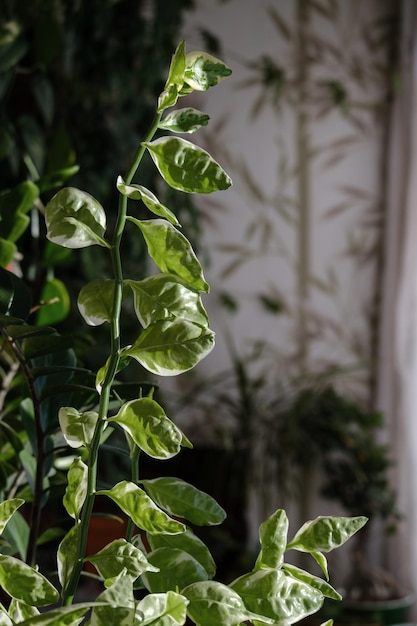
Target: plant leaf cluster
<point>60,418</point>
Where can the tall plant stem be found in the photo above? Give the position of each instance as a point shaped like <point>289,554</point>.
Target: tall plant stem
<point>115,345</point>
<point>303,151</point>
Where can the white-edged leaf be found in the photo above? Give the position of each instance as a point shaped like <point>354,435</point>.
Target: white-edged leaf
<point>138,192</point>
<point>24,583</point>
<point>76,490</point>
<point>181,499</point>
<point>186,120</point>
<point>165,296</point>
<point>7,509</point>
<point>66,555</point>
<point>172,252</point>
<point>186,167</point>
<point>95,301</point>
<point>120,555</point>
<point>169,348</point>
<point>163,609</point>
<point>145,421</point>
<point>77,428</point>
<point>141,509</point>
<point>202,70</point>
<point>74,219</point>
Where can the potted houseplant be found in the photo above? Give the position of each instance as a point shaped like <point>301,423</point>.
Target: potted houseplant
<point>58,418</point>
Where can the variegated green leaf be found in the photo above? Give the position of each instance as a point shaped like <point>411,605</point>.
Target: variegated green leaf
<point>145,421</point>
<point>165,296</point>
<point>67,555</point>
<point>188,542</point>
<point>184,120</point>
<point>271,593</point>
<point>24,583</point>
<point>163,609</point>
<point>7,508</point>
<point>214,603</point>
<point>138,192</point>
<point>170,348</point>
<point>77,428</point>
<point>4,617</point>
<point>20,611</point>
<point>325,533</point>
<point>172,252</point>
<point>119,605</point>
<point>176,569</point>
<point>186,167</point>
<point>181,499</point>
<point>203,70</point>
<point>74,219</point>
<point>273,537</point>
<point>95,301</point>
<point>318,583</point>
<point>175,79</point>
<point>76,490</point>
<point>120,555</point>
<point>141,509</point>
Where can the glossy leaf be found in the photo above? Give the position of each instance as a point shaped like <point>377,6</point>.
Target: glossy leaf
<point>322,562</point>
<point>67,555</point>
<point>48,343</point>
<point>7,509</point>
<point>25,584</point>
<point>138,192</point>
<point>184,120</point>
<point>119,605</point>
<point>176,569</point>
<point>76,490</point>
<point>20,611</point>
<point>325,533</point>
<point>271,593</point>
<point>15,298</point>
<point>318,583</point>
<point>170,348</point>
<point>74,219</point>
<point>187,542</point>
<point>187,167</point>
<point>273,537</point>
<point>165,296</point>
<point>163,609</point>
<point>181,499</point>
<point>214,603</point>
<point>95,301</point>
<point>55,303</point>
<point>16,534</point>
<point>175,79</point>
<point>145,421</point>
<point>4,617</point>
<point>77,428</point>
<point>203,70</point>
<point>120,555</point>
<point>141,509</point>
<point>15,203</point>
<point>172,252</point>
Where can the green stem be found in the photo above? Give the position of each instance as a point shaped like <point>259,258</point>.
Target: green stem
<point>115,345</point>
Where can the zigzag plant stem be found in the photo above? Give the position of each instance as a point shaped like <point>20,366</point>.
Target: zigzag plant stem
<point>115,346</point>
